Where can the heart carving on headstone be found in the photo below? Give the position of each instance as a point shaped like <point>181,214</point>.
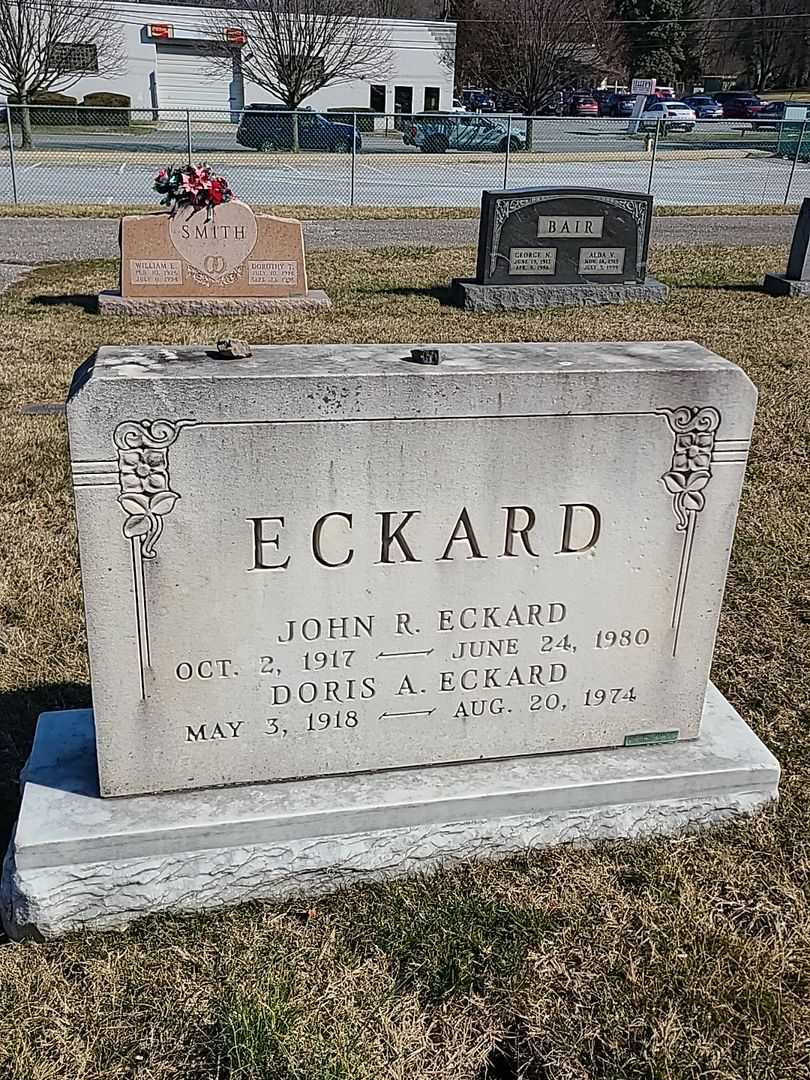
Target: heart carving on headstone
<point>214,242</point>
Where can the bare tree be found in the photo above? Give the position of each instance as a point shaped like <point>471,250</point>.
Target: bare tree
<point>50,44</point>
<point>295,47</point>
<point>763,43</point>
<point>538,46</point>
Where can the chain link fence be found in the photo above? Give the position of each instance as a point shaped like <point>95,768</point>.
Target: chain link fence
<point>89,156</point>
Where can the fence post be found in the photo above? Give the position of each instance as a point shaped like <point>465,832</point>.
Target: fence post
<point>795,159</point>
<point>188,134</point>
<point>652,159</point>
<point>11,160</point>
<point>354,158</point>
<point>508,152</point>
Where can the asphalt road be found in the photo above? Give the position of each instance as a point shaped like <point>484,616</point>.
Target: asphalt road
<point>27,241</point>
<point>326,180</point>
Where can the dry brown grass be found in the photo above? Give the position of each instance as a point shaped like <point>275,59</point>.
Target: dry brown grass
<point>364,213</point>
<point>675,959</point>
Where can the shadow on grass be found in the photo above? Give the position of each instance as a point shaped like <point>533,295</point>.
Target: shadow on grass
<point>726,286</point>
<point>19,710</point>
<point>86,301</point>
<point>442,293</point>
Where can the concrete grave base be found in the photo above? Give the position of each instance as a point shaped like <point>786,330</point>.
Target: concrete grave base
<point>781,285</point>
<point>471,296</point>
<point>111,302</point>
<point>77,860</point>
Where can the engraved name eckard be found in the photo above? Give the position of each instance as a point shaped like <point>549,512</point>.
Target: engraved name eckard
<point>580,528</point>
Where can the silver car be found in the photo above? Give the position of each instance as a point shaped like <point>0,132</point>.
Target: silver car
<point>438,134</point>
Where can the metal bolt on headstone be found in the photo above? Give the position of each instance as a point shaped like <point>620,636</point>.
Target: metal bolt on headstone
<point>425,356</point>
<point>231,349</point>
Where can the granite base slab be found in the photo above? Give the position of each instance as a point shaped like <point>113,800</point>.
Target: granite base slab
<point>780,285</point>
<point>472,296</point>
<point>111,302</point>
<point>77,860</point>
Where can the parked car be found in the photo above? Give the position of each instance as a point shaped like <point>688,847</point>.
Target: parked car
<point>674,116</point>
<point>665,93</point>
<point>554,104</point>
<point>477,101</point>
<point>774,113</point>
<point>270,127</point>
<point>704,107</point>
<point>619,105</point>
<point>458,106</point>
<point>582,105</point>
<point>602,97</point>
<point>437,134</point>
<point>739,104</point>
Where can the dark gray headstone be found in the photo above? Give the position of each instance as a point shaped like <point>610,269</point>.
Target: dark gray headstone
<point>563,236</point>
<point>795,282</point>
<point>798,267</point>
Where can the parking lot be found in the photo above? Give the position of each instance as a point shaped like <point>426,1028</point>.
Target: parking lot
<point>721,162</point>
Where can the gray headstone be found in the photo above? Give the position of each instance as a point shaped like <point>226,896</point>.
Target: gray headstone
<point>798,267</point>
<point>563,236</point>
<point>330,559</point>
<point>795,282</point>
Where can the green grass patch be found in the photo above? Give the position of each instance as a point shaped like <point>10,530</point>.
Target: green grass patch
<point>444,936</point>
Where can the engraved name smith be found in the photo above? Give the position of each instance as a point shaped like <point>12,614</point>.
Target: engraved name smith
<point>211,231</point>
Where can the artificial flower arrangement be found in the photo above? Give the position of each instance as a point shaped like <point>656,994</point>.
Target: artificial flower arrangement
<point>191,185</point>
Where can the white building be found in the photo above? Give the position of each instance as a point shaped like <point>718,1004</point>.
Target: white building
<point>165,66</point>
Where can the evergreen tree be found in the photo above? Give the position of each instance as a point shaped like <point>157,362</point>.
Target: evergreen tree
<point>656,46</point>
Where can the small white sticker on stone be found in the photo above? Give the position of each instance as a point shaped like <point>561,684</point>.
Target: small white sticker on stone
<point>609,260</point>
<point>272,273</point>
<point>527,260</point>
<point>156,271</point>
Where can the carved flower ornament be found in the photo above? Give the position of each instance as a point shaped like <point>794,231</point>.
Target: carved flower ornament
<point>695,430</point>
<point>143,469</point>
<point>692,451</point>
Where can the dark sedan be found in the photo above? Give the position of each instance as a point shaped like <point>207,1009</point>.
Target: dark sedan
<point>619,105</point>
<point>705,107</point>
<point>774,113</point>
<point>268,127</point>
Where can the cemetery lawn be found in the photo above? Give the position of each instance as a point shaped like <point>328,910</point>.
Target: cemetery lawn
<point>672,959</point>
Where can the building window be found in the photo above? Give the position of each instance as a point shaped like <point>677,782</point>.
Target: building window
<point>431,99</point>
<point>377,98</point>
<point>294,65</point>
<point>74,56</point>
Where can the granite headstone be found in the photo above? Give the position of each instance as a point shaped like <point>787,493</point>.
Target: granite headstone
<point>224,259</point>
<point>451,608</point>
<point>550,246</point>
<point>795,282</point>
<point>276,559</point>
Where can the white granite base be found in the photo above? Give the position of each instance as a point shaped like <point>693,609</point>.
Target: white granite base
<point>77,860</point>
